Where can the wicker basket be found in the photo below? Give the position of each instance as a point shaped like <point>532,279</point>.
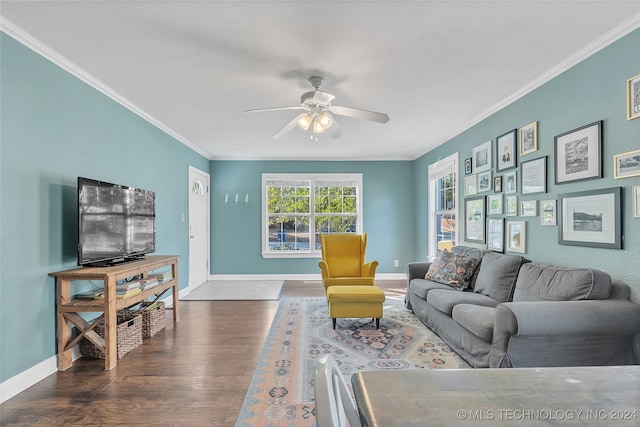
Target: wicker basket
<point>128,331</point>
<point>153,320</point>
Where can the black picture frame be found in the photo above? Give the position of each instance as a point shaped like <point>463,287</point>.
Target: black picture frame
<point>467,166</point>
<point>591,218</point>
<point>506,153</point>
<point>578,154</point>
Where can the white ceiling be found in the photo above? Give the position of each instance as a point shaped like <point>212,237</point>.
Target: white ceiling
<point>435,67</point>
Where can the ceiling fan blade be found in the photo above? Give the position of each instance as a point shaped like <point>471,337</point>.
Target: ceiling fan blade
<point>257,110</point>
<point>334,130</point>
<point>288,127</point>
<point>359,114</point>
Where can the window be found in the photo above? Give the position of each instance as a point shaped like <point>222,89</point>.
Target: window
<point>297,208</point>
<point>443,206</point>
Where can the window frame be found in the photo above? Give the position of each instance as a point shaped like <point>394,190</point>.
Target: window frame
<point>311,179</point>
<point>437,170</point>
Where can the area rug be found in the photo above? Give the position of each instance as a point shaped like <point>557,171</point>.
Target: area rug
<point>234,290</point>
<point>282,389</point>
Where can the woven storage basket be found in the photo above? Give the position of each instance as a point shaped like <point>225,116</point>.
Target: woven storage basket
<point>128,331</point>
<point>154,320</point>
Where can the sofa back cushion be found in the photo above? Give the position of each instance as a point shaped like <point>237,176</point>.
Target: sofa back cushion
<point>497,275</point>
<point>541,282</point>
<point>452,269</point>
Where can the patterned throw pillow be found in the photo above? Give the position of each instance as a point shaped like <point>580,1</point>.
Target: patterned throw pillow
<point>451,269</point>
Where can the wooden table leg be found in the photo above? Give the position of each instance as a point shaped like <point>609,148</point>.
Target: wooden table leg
<point>175,292</point>
<point>110,325</point>
<point>65,357</point>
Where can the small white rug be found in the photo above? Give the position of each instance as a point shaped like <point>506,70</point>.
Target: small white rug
<point>236,290</point>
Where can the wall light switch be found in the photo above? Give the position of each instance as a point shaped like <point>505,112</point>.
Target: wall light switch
<point>181,217</point>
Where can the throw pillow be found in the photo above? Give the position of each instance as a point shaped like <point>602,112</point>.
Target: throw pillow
<point>452,269</point>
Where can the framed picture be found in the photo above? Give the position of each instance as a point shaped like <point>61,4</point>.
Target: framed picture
<point>591,218</point>
<point>482,157</point>
<point>510,182</point>
<point>474,220</point>
<point>529,138</point>
<point>494,204</point>
<point>497,184</point>
<point>484,181</point>
<point>470,185</point>
<point>511,205</point>
<point>516,236</point>
<point>636,201</point>
<point>467,166</point>
<point>548,212</point>
<point>626,164</point>
<point>529,208</point>
<point>633,97</point>
<point>578,154</point>
<point>534,176</point>
<point>495,234</point>
<point>506,150</point>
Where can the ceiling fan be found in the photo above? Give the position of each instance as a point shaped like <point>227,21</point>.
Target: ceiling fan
<point>318,111</point>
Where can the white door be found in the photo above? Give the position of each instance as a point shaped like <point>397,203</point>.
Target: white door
<point>198,227</point>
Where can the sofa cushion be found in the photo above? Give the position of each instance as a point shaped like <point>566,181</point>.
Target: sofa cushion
<point>540,282</point>
<point>452,269</point>
<point>421,287</point>
<point>497,275</point>
<point>476,319</point>
<point>445,300</point>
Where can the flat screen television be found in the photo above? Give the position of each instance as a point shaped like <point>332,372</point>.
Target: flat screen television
<point>116,223</point>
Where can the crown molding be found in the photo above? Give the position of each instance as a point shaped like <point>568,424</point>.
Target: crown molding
<point>48,53</point>
<point>600,43</point>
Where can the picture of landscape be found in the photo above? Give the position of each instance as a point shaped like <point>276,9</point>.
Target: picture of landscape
<point>577,156</point>
<point>587,221</point>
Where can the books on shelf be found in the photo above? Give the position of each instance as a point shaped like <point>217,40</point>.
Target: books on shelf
<point>90,294</point>
<point>149,283</point>
<point>128,294</point>
<point>165,275</point>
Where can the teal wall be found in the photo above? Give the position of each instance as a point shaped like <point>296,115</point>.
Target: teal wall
<point>590,91</point>
<point>236,230</point>
<point>55,128</point>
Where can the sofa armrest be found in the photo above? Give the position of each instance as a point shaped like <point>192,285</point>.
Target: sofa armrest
<point>564,333</point>
<point>416,270</point>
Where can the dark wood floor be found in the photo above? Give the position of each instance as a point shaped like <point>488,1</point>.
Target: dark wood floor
<point>193,373</point>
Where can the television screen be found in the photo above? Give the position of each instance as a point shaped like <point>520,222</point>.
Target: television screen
<point>116,223</point>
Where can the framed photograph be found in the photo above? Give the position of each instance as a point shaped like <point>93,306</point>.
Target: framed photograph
<point>484,181</point>
<point>497,184</point>
<point>510,182</point>
<point>474,220</point>
<point>511,205</point>
<point>467,166</point>
<point>516,236</point>
<point>529,208</point>
<point>626,164</point>
<point>494,204</point>
<point>534,176</point>
<point>633,97</point>
<point>548,212</point>
<point>470,185</point>
<point>506,150</point>
<point>529,138</point>
<point>495,234</point>
<point>482,157</point>
<point>636,201</point>
<point>578,154</point>
<point>591,218</point>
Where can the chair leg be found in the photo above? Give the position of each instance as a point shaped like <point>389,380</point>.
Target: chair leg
<point>377,323</point>
<point>334,322</point>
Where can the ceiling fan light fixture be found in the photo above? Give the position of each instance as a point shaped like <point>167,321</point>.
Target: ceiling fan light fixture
<point>305,121</point>
<point>325,121</point>
<point>317,126</point>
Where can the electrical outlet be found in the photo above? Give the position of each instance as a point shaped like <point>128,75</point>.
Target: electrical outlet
<point>396,263</point>
<point>181,217</point>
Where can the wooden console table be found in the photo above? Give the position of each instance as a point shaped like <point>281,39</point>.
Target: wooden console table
<point>69,307</point>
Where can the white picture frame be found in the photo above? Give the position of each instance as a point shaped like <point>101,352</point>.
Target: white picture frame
<point>494,204</point>
<point>510,182</point>
<point>482,157</point>
<point>548,213</point>
<point>470,185</point>
<point>516,236</point>
<point>484,181</point>
<point>529,208</point>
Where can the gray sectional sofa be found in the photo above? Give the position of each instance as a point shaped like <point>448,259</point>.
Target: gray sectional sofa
<point>515,313</point>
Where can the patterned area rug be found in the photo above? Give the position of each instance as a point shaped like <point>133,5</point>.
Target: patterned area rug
<point>281,391</point>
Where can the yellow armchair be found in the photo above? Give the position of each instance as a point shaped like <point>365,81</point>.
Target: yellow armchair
<point>343,260</point>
